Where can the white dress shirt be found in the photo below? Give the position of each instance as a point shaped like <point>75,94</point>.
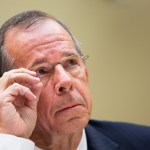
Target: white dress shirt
<point>83,143</point>
<point>11,142</point>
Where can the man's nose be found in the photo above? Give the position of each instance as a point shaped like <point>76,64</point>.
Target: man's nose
<point>62,80</point>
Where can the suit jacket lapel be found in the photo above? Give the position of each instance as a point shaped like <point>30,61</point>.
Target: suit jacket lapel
<point>98,141</point>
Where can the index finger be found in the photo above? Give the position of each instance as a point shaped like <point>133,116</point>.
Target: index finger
<point>23,70</point>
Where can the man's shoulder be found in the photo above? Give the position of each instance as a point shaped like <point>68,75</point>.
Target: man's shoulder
<point>124,134</point>
<point>110,127</point>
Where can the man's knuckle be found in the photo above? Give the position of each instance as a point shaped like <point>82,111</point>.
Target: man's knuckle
<point>26,90</point>
<point>6,74</point>
<point>16,85</point>
<point>22,69</point>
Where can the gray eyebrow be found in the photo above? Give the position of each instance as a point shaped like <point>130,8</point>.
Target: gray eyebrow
<point>43,60</point>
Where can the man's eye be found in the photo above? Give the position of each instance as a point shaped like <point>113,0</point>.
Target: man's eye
<point>71,62</point>
<point>41,71</point>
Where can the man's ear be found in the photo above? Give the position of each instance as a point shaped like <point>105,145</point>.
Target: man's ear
<point>87,74</point>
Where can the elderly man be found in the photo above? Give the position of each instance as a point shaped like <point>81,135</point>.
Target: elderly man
<point>44,95</point>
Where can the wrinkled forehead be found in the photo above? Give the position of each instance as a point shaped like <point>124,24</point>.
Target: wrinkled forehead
<point>39,29</point>
<point>47,36</point>
<point>38,32</point>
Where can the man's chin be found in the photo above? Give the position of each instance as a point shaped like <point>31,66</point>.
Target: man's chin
<point>72,125</point>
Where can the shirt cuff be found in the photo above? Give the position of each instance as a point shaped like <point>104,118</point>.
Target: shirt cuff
<point>9,142</point>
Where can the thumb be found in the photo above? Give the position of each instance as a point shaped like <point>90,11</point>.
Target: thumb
<point>36,89</point>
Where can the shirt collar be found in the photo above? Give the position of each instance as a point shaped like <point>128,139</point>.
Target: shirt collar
<point>83,143</point>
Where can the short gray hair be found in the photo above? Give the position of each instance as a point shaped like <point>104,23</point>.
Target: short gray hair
<point>24,20</point>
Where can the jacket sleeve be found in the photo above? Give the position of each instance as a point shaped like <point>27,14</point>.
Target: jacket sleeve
<point>11,142</point>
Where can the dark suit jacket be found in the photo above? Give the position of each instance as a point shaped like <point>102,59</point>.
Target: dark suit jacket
<point>104,135</point>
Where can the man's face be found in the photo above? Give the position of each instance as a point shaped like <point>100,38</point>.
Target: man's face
<point>65,101</point>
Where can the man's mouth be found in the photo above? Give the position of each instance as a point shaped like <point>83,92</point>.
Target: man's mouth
<point>69,106</point>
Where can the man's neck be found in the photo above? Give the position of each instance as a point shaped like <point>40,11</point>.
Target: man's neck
<point>55,142</point>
